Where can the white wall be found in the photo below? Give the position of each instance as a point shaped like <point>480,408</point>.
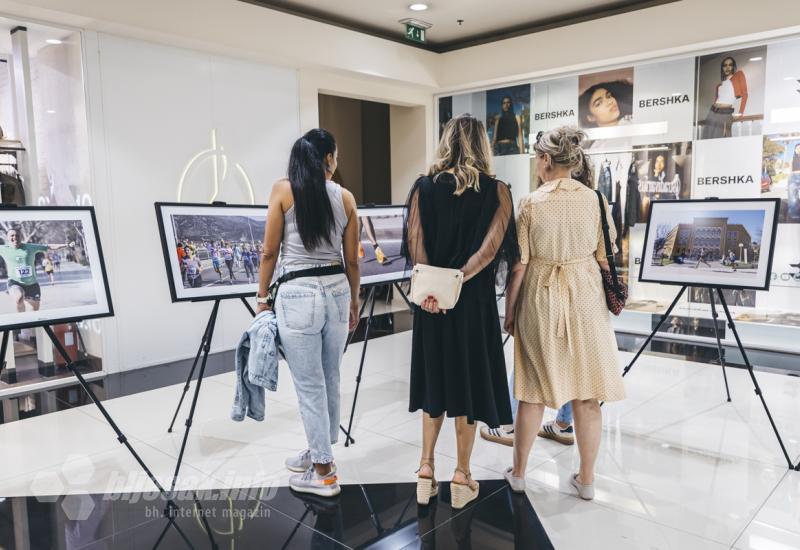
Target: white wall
<point>158,106</point>
<point>410,154</point>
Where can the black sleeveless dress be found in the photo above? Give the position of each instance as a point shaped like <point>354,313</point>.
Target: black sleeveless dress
<point>457,360</point>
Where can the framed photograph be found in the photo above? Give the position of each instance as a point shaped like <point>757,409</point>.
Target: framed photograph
<point>716,243</point>
<point>211,251</point>
<point>380,239</point>
<point>51,267</point>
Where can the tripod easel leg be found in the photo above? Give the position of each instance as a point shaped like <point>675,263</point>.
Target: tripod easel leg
<point>719,342</point>
<point>206,349</point>
<point>4,349</point>
<point>405,298</point>
<point>371,300</point>
<point>120,436</point>
<point>655,330</point>
<point>191,374</point>
<point>749,366</point>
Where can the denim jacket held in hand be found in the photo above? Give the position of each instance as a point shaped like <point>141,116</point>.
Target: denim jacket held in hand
<point>256,367</point>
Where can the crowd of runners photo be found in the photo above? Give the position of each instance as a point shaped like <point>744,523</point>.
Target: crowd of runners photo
<point>218,262</point>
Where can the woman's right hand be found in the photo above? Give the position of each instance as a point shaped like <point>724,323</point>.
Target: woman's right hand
<point>509,323</point>
<point>261,308</point>
<point>354,315</point>
<point>431,305</point>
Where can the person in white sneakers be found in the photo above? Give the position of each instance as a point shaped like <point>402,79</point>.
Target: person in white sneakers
<point>559,430</point>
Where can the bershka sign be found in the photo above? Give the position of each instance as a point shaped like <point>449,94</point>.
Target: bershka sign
<point>662,101</point>
<point>727,167</point>
<point>554,114</point>
<point>725,180</point>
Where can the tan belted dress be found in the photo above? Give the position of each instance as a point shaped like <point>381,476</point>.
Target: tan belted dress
<point>564,345</point>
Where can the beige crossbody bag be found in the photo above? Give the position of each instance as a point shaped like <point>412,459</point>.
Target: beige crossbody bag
<point>440,282</point>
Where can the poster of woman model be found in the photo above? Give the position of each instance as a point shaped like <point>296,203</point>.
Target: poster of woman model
<point>508,119</point>
<point>718,243</point>
<point>211,252</point>
<point>605,100</point>
<point>730,93</point>
<point>51,267</point>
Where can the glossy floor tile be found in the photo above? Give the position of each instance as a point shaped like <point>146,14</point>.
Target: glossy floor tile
<point>679,466</point>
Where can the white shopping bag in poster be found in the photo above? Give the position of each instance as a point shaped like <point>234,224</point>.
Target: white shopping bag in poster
<point>727,168</point>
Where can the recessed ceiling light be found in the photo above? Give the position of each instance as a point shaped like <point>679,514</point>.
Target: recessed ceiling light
<point>756,58</point>
<point>418,7</point>
<point>790,78</point>
<point>51,112</point>
<point>53,41</point>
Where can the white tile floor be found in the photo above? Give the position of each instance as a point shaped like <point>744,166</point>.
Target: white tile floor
<point>679,467</point>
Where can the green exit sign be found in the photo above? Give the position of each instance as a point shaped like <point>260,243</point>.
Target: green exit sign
<point>415,34</point>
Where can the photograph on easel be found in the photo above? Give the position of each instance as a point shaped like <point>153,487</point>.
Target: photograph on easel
<point>51,267</point>
<point>211,251</point>
<point>379,242</point>
<point>715,243</point>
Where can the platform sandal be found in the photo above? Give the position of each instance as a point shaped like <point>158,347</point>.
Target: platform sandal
<point>427,487</point>
<point>462,494</point>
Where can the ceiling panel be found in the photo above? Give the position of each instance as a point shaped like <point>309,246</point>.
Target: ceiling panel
<point>481,21</point>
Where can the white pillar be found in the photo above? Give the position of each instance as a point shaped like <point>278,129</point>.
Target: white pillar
<point>23,109</point>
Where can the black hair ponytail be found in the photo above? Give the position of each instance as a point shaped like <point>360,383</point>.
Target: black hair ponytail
<point>312,206</point>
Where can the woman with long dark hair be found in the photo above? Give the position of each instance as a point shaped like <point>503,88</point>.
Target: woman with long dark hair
<point>606,104</point>
<point>311,221</point>
<point>460,217</point>
<point>507,138</point>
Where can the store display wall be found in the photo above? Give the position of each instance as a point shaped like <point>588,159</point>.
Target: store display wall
<point>723,123</point>
<point>155,109</point>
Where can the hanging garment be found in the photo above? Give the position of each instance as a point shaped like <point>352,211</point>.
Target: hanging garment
<point>11,189</point>
<point>604,181</point>
<point>633,201</point>
<point>616,215</point>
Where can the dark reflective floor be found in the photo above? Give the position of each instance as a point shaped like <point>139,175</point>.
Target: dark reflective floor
<point>375,517</point>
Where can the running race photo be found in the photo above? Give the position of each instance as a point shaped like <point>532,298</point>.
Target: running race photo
<point>51,267</point>
<point>718,243</point>
<point>211,251</point>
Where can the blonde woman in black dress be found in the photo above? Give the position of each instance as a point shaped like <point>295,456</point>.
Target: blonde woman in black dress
<point>460,217</point>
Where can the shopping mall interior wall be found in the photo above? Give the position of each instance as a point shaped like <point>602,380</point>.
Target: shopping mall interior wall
<point>669,29</point>
<point>409,151</point>
<point>159,107</point>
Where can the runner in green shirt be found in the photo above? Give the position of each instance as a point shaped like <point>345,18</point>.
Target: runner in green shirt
<point>20,263</point>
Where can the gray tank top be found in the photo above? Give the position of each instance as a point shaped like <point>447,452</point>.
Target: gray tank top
<point>294,254</point>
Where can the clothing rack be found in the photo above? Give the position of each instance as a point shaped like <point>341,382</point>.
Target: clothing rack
<point>630,150</point>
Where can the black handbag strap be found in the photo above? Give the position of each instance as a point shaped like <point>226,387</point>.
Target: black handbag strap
<point>322,271</point>
<point>609,250</point>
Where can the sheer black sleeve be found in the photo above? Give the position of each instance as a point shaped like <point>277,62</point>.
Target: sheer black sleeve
<point>500,242</point>
<point>413,247</point>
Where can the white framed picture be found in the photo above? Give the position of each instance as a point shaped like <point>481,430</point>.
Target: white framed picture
<point>720,243</point>
<point>380,230</point>
<point>211,251</point>
<point>51,267</point>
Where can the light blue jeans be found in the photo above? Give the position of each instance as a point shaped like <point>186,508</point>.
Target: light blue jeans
<point>313,314</point>
<point>564,413</point>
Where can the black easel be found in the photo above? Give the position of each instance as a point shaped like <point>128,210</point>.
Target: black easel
<point>4,349</point>
<point>203,350</point>
<point>171,507</point>
<point>203,342</point>
<point>369,301</point>
<point>748,365</point>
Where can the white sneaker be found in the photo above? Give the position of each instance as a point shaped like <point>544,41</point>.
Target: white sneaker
<point>517,484</point>
<point>498,435</point>
<point>311,482</point>
<point>551,430</point>
<point>302,462</point>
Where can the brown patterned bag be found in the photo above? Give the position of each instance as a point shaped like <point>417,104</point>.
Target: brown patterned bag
<point>616,291</point>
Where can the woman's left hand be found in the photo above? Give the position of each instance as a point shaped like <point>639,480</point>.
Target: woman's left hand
<point>431,305</point>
